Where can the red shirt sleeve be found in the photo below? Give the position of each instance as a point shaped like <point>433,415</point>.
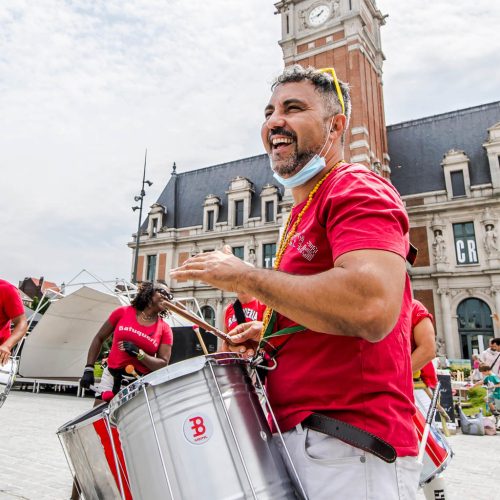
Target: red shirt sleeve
<point>117,315</point>
<point>363,211</point>
<point>13,305</point>
<point>418,313</point>
<point>167,336</point>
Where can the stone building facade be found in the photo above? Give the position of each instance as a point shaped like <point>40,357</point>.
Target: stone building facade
<point>447,169</point>
<point>236,203</point>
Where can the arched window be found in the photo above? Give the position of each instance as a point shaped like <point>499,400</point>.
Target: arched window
<point>475,326</point>
<point>208,314</point>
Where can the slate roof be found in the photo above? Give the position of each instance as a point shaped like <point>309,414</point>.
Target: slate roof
<point>417,147</point>
<point>194,186</point>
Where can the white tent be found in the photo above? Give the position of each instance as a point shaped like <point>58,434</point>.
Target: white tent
<point>58,345</point>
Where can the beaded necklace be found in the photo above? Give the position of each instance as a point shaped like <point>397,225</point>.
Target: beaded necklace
<point>148,318</point>
<point>287,236</point>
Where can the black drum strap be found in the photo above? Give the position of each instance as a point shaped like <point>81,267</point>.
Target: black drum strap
<point>238,312</point>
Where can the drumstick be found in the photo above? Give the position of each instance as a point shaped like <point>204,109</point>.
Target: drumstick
<point>131,371</point>
<point>428,420</point>
<point>200,340</point>
<point>190,316</point>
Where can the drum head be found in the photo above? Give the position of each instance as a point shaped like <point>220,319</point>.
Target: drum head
<point>172,372</point>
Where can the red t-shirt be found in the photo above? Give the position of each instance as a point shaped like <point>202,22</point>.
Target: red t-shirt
<point>365,384</point>
<point>11,306</point>
<point>418,313</point>
<point>147,338</point>
<point>254,311</point>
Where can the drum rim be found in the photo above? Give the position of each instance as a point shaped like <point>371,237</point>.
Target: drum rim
<point>173,372</point>
<point>88,417</point>
<point>13,364</point>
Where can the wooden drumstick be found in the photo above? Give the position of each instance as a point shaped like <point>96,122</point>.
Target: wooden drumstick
<point>190,316</point>
<point>200,339</point>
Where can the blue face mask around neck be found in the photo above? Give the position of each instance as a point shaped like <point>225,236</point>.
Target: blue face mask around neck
<point>313,167</point>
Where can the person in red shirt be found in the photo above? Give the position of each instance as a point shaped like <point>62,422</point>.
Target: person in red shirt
<point>243,310</point>
<point>140,338</point>
<point>342,389</point>
<point>423,345</point>
<point>11,312</point>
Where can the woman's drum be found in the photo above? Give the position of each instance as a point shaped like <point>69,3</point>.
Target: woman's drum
<point>93,448</point>
<point>438,452</point>
<point>196,429</point>
<point>7,376</point>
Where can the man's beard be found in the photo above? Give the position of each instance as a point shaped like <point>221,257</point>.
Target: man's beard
<point>293,164</point>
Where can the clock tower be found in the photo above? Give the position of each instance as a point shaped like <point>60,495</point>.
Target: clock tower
<point>344,34</point>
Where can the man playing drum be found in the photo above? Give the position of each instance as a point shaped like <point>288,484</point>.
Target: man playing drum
<point>342,302</point>
<point>11,311</point>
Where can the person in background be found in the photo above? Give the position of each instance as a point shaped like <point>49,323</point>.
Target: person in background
<point>244,309</point>
<point>491,356</point>
<point>140,338</point>
<point>423,345</point>
<point>476,373</point>
<point>491,381</point>
<point>11,314</point>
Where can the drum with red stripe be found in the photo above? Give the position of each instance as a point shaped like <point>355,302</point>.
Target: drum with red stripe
<point>438,452</point>
<point>93,448</point>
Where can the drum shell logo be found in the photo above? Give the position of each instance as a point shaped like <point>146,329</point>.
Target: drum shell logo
<point>198,428</point>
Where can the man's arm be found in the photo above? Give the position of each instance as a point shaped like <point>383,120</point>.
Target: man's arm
<point>18,332</point>
<point>425,340</point>
<point>360,296</point>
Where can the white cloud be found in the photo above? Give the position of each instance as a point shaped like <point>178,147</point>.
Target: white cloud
<point>441,56</point>
<point>85,87</point>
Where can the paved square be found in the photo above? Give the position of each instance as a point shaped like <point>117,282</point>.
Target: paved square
<point>33,466</point>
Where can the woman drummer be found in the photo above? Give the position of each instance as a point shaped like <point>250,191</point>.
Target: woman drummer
<point>140,338</point>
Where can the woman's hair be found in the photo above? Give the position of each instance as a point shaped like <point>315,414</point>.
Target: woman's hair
<point>145,294</point>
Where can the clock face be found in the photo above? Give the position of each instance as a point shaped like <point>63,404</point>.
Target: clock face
<point>318,15</point>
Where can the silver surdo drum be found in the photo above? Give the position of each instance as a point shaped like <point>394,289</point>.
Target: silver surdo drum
<point>92,447</point>
<point>7,376</point>
<point>196,429</point>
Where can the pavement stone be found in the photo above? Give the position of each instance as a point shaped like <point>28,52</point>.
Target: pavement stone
<point>33,466</point>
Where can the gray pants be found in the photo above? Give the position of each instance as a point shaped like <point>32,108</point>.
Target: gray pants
<point>331,469</point>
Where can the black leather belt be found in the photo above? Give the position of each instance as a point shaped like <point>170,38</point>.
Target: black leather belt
<point>351,435</point>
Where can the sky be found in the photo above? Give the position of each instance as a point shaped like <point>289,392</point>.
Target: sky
<point>87,86</point>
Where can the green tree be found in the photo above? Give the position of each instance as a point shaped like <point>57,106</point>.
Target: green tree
<point>45,303</point>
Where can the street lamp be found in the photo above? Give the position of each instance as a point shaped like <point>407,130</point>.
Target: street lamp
<point>140,199</point>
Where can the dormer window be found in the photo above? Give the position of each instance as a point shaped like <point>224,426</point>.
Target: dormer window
<point>456,174</point>
<point>157,217</point>
<point>270,211</point>
<point>492,147</point>
<point>457,183</point>
<point>210,220</point>
<point>239,200</point>
<point>211,212</point>
<point>270,197</point>
<point>238,213</point>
